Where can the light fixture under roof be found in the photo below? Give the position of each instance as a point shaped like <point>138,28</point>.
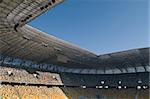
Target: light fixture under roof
<point>119,82</point>
<point>119,87</point>
<point>83,86</point>
<point>106,87</point>
<point>125,87</point>
<point>139,81</point>
<point>99,87</point>
<point>144,87</point>
<point>102,82</point>
<point>138,87</point>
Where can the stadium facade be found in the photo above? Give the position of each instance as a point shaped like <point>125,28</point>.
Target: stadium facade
<point>36,64</point>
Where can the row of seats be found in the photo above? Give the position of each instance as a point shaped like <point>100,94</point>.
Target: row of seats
<point>22,76</point>
<point>129,80</point>
<point>68,79</point>
<point>33,92</point>
<point>30,92</point>
<point>90,93</point>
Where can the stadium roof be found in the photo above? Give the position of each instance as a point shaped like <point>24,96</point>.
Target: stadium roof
<point>25,42</point>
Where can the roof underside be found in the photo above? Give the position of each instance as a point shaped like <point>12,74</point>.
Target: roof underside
<point>25,42</point>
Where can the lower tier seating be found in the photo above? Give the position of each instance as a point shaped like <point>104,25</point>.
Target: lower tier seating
<point>34,92</point>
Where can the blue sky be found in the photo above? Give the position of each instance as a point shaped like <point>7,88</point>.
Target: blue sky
<point>100,26</point>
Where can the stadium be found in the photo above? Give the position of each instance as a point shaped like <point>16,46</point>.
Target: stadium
<point>36,65</point>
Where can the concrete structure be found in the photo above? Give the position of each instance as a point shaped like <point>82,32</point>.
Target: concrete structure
<point>24,45</point>
<point>31,57</point>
